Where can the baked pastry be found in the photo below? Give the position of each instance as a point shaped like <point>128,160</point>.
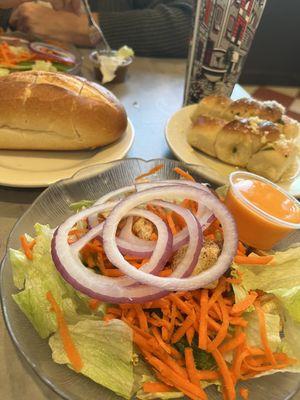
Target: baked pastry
<point>245,133</point>
<point>52,111</point>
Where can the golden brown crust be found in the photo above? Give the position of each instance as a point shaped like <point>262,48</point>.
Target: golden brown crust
<point>204,132</point>
<point>50,111</point>
<point>245,108</point>
<point>212,106</point>
<point>245,133</point>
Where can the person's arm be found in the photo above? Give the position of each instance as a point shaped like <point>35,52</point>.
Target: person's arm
<point>111,5</point>
<point>161,31</point>
<point>70,5</point>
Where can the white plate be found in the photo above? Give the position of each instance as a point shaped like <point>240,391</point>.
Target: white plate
<point>41,168</point>
<point>209,167</point>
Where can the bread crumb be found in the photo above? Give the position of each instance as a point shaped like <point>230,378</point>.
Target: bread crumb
<point>143,228</point>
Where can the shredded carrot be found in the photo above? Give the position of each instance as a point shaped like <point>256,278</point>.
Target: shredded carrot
<point>189,321</point>
<point>108,317</point>
<point>132,258</point>
<point>222,333</point>
<point>216,308</point>
<point>141,317</point>
<point>191,390</point>
<point>165,272</point>
<point>238,321</point>
<point>142,342</point>
<point>100,263</point>
<point>179,303</point>
<point>27,246</point>
<point>244,393</point>
<point>171,224</point>
<point>234,281</point>
<point>172,320</point>
<point>240,356</point>
<point>225,374</point>
<point>217,292</point>
<point>244,304</point>
<point>190,333</point>
<point>207,375</point>
<point>113,272</point>
<point>173,364</point>
<point>158,211</point>
<point>68,344</point>
<point>156,387</point>
<point>150,172</point>
<point>184,174</point>
<point>160,341</point>
<point>202,344</point>
<point>114,311</point>
<point>153,236</point>
<point>233,343</point>
<point>263,333</point>
<point>213,324</point>
<point>190,365</point>
<point>94,304</point>
<point>253,260</point>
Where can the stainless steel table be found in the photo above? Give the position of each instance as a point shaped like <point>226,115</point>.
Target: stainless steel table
<point>152,92</point>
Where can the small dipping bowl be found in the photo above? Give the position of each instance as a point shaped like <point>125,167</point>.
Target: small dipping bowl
<point>121,71</point>
<point>257,225</point>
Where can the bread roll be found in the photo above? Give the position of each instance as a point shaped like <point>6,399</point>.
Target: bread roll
<point>236,142</point>
<point>245,108</point>
<point>52,111</point>
<point>245,133</point>
<point>271,162</point>
<point>211,106</point>
<point>203,134</point>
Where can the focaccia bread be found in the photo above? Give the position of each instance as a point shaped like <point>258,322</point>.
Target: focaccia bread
<point>246,133</point>
<point>52,111</point>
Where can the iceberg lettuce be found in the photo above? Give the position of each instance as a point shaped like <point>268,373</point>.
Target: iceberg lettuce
<point>281,278</point>
<point>106,350</point>
<point>37,277</point>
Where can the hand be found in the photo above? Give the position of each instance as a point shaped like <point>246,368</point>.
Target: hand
<point>70,5</point>
<point>38,20</point>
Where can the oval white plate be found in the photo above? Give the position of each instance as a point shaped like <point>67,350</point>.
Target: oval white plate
<point>209,167</point>
<point>41,168</point>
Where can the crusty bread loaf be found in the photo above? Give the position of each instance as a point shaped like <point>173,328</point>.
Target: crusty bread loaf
<point>52,111</point>
<point>245,133</point>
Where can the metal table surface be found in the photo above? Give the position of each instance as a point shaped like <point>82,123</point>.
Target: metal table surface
<point>152,92</point>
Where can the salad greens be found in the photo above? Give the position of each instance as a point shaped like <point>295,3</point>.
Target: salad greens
<point>106,351</point>
<point>106,348</point>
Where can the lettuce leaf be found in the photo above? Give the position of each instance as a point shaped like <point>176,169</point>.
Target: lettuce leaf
<point>281,279</point>
<point>39,276</point>
<point>106,350</point>
<point>272,327</point>
<point>80,205</point>
<point>20,264</point>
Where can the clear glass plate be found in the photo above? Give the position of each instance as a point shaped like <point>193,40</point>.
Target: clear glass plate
<point>52,207</point>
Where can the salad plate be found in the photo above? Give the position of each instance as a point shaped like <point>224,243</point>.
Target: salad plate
<point>209,167</point>
<point>53,207</point>
<point>21,168</point>
<point>21,52</point>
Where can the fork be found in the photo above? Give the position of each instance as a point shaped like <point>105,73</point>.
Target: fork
<point>96,35</point>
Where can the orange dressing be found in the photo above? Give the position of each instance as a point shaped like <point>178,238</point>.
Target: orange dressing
<point>268,199</point>
<point>258,228</point>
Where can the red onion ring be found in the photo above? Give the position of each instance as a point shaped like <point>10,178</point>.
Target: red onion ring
<point>172,283</point>
<point>162,251</point>
<point>93,219</point>
<point>96,286</point>
<point>204,215</point>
